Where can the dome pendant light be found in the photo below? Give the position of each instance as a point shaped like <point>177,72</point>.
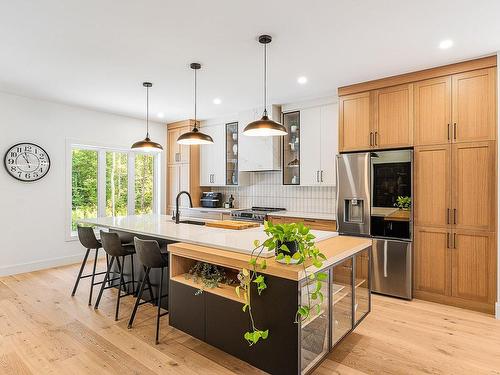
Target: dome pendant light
<point>265,127</point>
<point>195,137</point>
<point>147,144</point>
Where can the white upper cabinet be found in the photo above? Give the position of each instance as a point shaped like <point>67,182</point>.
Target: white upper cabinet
<point>212,157</point>
<point>319,145</point>
<point>258,153</point>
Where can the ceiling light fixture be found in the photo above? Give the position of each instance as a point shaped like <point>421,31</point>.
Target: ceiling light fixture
<point>265,126</point>
<point>195,137</point>
<point>445,44</point>
<point>217,101</point>
<point>147,144</point>
<point>302,80</point>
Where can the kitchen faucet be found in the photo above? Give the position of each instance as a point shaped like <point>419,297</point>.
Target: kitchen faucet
<point>177,204</point>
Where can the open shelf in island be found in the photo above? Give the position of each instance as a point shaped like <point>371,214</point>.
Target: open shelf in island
<point>222,290</point>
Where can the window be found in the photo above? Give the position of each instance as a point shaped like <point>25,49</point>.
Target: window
<point>83,185</point>
<point>111,182</point>
<point>144,167</point>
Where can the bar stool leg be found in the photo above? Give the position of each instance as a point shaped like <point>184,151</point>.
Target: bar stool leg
<point>120,268</point>
<point>133,276</point>
<point>80,272</point>
<point>159,307</point>
<point>93,276</point>
<point>106,278</point>
<point>138,299</point>
<point>151,294</point>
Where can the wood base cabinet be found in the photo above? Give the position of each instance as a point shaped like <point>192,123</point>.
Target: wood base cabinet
<point>456,267</point>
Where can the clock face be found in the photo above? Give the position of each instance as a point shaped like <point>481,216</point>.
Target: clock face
<point>27,162</point>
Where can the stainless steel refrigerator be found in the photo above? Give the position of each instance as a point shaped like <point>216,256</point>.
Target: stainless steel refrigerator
<point>368,187</point>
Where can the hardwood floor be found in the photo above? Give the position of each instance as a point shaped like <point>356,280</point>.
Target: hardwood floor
<point>45,331</point>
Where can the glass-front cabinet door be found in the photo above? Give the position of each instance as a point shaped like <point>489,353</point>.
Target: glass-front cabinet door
<point>291,149</point>
<point>362,285</point>
<point>314,331</point>
<point>232,153</point>
<point>342,294</point>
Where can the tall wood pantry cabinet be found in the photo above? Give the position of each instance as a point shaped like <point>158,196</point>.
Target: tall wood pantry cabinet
<point>183,167</point>
<point>455,190</point>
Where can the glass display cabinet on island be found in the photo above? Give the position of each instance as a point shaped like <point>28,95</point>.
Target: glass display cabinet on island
<point>232,153</point>
<point>291,149</point>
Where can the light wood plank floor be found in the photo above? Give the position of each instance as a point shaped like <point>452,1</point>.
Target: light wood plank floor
<point>45,331</point>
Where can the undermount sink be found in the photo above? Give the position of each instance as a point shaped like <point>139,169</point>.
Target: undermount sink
<point>193,222</point>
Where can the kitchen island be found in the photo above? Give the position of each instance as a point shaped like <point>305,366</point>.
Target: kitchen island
<point>215,315</point>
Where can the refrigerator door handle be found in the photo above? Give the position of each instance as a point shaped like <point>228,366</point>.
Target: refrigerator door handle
<point>385,259</point>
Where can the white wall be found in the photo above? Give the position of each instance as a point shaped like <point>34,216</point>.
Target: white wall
<point>33,215</point>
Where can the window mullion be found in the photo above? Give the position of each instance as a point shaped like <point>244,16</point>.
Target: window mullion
<point>101,184</point>
<point>131,184</point>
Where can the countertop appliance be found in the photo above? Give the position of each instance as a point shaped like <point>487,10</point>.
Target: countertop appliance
<point>368,187</point>
<point>258,214</point>
<point>210,199</point>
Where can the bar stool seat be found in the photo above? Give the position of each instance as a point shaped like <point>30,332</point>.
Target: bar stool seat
<point>114,248</point>
<point>87,238</point>
<point>151,256</point>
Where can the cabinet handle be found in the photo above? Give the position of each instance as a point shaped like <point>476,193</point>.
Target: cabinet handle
<point>448,240</point>
<point>447,216</point>
<point>454,240</point>
<point>454,216</point>
<point>376,138</point>
<point>455,131</point>
<point>317,176</point>
<point>371,138</point>
<point>321,175</point>
<point>448,132</point>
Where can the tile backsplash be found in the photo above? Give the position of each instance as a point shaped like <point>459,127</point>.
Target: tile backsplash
<point>266,189</point>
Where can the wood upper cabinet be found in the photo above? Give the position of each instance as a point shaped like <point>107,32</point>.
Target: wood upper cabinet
<point>432,185</point>
<point>355,130</point>
<point>393,116</point>
<point>474,186</point>
<point>177,153</point>
<point>473,259</point>
<point>474,105</point>
<point>432,261</point>
<point>432,111</point>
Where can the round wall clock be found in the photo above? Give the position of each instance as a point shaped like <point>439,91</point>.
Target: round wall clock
<point>26,162</point>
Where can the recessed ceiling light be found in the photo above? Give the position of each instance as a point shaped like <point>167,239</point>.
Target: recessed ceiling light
<point>161,115</point>
<point>447,43</point>
<point>217,101</point>
<point>302,80</point>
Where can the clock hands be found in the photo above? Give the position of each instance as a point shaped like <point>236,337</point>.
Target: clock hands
<point>27,161</point>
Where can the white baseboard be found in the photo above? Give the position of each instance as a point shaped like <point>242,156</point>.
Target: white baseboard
<point>497,310</point>
<point>40,265</point>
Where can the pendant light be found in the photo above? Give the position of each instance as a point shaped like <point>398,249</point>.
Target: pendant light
<point>147,144</point>
<point>195,137</point>
<point>265,127</point>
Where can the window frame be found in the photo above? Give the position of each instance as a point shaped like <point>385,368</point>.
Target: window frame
<point>101,179</point>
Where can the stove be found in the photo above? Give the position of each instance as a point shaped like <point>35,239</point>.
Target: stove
<point>258,214</point>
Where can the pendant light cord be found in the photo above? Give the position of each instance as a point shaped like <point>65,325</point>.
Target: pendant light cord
<point>195,88</point>
<point>147,112</point>
<point>265,79</point>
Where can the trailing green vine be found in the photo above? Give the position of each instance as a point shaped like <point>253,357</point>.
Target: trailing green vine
<point>278,236</point>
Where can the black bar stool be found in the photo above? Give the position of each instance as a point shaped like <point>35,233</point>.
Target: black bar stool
<point>113,246</point>
<point>88,239</point>
<point>151,256</point>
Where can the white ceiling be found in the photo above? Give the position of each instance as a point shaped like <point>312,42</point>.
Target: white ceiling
<point>96,53</point>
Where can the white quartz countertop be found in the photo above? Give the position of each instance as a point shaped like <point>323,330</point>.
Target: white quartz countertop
<point>304,215</point>
<point>162,226</point>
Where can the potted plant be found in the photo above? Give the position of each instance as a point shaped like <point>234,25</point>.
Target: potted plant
<point>403,203</point>
<point>293,244</point>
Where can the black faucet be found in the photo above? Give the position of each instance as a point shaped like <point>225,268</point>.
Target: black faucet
<point>177,204</point>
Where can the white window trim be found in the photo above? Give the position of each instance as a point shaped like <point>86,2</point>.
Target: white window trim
<point>101,180</point>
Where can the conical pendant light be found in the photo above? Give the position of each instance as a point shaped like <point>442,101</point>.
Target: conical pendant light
<point>195,137</point>
<point>147,144</point>
<point>265,127</point>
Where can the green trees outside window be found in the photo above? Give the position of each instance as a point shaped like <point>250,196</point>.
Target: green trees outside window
<point>116,183</point>
<point>144,183</point>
